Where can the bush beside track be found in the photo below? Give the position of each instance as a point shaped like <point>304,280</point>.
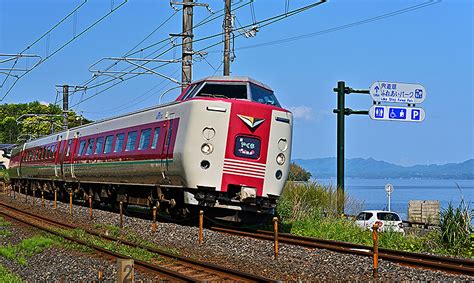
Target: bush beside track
<point>309,209</point>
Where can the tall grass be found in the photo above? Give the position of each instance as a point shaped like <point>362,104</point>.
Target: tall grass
<point>456,230</point>
<point>311,200</point>
<point>309,209</point>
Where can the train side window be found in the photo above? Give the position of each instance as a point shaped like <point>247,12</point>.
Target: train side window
<point>53,151</point>
<point>109,140</point>
<point>131,141</point>
<point>144,139</point>
<point>98,146</point>
<point>90,146</point>
<point>82,146</point>
<point>156,136</point>
<point>119,143</point>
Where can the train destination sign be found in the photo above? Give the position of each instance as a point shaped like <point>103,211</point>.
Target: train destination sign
<point>396,113</point>
<point>397,92</point>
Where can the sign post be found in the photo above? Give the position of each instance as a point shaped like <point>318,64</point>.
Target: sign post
<point>380,91</point>
<point>389,190</point>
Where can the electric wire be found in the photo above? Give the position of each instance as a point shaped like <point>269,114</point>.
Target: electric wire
<point>341,27</point>
<point>64,45</point>
<point>263,23</point>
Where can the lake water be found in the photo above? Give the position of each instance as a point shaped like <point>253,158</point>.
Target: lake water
<point>372,192</point>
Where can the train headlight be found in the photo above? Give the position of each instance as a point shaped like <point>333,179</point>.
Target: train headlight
<point>207,148</point>
<point>281,159</point>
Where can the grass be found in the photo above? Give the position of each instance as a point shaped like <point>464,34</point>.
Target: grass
<point>3,222</point>
<point>310,210</point>
<point>7,276</point>
<point>26,248</point>
<point>137,253</point>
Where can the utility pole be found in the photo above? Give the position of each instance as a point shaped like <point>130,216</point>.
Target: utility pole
<point>65,106</point>
<point>187,44</point>
<point>227,31</point>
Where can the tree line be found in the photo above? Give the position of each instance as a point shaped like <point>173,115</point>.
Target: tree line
<point>23,121</point>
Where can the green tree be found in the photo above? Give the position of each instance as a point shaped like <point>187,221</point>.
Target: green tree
<point>298,173</point>
<point>13,131</point>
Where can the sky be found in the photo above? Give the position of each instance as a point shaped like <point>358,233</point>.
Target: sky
<point>341,40</point>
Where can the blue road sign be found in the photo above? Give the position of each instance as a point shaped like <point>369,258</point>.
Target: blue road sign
<point>396,113</point>
<point>397,92</point>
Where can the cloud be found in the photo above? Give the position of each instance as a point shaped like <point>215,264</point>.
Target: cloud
<point>44,103</point>
<point>302,112</point>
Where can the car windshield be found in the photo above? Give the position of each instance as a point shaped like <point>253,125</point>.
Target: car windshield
<point>364,216</point>
<point>388,216</point>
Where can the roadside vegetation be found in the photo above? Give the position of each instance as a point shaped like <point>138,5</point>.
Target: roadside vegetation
<point>309,209</point>
<point>7,276</point>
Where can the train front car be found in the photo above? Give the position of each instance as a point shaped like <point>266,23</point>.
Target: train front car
<point>236,154</point>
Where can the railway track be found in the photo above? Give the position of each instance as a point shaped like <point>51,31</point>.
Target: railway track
<point>449,264</point>
<point>176,268</point>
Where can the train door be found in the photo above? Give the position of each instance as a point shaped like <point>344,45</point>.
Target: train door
<point>167,133</point>
<point>22,157</point>
<point>73,153</point>
<point>57,154</point>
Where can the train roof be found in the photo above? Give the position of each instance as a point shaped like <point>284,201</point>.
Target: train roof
<point>233,79</point>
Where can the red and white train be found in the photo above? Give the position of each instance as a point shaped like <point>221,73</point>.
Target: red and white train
<point>223,144</point>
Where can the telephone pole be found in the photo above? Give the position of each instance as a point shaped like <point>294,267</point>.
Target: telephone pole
<point>65,106</point>
<point>187,44</point>
<point>227,31</point>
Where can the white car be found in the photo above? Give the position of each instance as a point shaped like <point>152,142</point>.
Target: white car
<point>386,220</point>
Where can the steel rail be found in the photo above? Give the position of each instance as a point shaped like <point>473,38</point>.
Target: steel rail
<point>451,264</point>
<point>167,273</point>
<point>238,275</point>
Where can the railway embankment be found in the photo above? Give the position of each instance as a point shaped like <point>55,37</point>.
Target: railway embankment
<point>235,252</point>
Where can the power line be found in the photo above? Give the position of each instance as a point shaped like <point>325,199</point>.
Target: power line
<point>342,27</point>
<point>65,44</point>
<point>263,23</point>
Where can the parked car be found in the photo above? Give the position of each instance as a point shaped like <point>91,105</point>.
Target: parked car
<point>386,220</point>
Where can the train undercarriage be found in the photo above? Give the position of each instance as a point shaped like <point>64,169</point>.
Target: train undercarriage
<point>169,200</point>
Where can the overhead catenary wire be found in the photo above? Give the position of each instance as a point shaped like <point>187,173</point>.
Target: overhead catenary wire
<point>262,23</point>
<point>341,27</point>
<point>64,45</point>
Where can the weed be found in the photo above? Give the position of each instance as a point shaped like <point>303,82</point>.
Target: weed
<point>7,276</point>
<point>26,248</point>
<point>456,229</point>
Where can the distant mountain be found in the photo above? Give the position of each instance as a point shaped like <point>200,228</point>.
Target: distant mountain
<point>374,169</point>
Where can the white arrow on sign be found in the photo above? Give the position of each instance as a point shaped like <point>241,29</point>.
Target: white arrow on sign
<point>397,92</point>
<point>396,113</point>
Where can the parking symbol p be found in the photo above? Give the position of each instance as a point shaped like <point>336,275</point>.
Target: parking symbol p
<point>415,115</point>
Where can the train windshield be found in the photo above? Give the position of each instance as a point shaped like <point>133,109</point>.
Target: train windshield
<point>245,91</point>
<point>220,90</point>
<point>262,95</point>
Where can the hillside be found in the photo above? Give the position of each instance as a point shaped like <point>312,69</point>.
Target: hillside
<point>374,169</point>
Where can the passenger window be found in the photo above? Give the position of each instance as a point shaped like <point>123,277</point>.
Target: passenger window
<point>144,139</point>
<point>90,146</point>
<point>119,143</point>
<point>131,141</point>
<point>156,136</point>
<point>82,147</point>
<point>108,144</point>
<point>98,146</point>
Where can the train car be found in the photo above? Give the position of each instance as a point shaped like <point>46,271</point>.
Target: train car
<point>223,144</point>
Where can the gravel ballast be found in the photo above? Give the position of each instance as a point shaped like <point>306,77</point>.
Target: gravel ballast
<point>245,254</point>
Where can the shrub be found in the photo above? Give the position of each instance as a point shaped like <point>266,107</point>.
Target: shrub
<point>456,229</point>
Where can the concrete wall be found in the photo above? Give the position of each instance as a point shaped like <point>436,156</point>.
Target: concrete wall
<point>425,211</point>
